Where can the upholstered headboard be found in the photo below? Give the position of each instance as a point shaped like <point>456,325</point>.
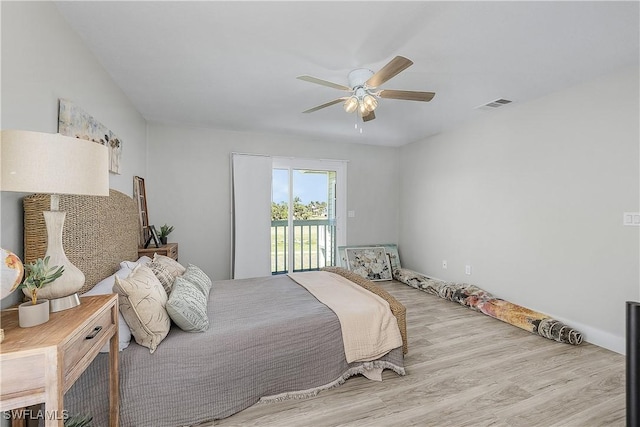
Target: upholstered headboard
<point>99,232</point>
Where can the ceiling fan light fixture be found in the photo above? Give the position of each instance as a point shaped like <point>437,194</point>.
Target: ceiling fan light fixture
<point>364,88</point>
<point>370,102</point>
<point>351,104</point>
<point>363,109</point>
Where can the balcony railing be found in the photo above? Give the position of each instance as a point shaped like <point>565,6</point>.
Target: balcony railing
<point>313,246</point>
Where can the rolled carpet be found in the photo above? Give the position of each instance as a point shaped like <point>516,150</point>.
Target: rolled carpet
<point>480,300</point>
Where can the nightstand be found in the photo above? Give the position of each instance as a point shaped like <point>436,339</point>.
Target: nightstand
<point>170,250</point>
<point>41,363</point>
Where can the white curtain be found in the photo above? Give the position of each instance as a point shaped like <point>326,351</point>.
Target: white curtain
<point>251,192</point>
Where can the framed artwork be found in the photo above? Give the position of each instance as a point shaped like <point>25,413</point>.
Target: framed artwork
<point>75,122</point>
<point>390,248</point>
<point>369,262</point>
<point>153,234</point>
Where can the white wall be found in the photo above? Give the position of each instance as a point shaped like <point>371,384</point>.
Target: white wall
<point>532,196</point>
<point>188,186</point>
<point>42,61</point>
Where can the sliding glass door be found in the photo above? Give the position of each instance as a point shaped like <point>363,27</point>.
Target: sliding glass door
<point>307,214</point>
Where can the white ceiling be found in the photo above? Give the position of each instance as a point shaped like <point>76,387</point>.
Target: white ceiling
<point>233,65</point>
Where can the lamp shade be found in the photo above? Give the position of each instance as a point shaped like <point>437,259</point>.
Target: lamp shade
<point>351,104</point>
<point>36,162</point>
<point>370,102</point>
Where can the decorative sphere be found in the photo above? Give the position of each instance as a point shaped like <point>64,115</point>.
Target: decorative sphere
<point>11,272</point>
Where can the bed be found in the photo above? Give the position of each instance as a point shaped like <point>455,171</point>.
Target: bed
<point>268,338</point>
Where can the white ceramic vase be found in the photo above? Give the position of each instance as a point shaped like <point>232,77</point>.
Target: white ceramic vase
<point>30,314</point>
<point>72,279</point>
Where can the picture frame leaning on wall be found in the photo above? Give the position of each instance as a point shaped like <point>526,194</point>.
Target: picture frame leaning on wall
<point>153,235</point>
<point>369,262</point>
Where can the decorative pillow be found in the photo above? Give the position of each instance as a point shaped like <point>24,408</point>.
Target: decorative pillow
<point>187,306</point>
<point>133,264</point>
<point>172,265</point>
<point>142,304</point>
<point>105,287</point>
<point>163,274</point>
<point>199,278</point>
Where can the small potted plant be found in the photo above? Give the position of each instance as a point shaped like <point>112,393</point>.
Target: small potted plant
<point>38,274</point>
<point>78,420</point>
<point>165,230</point>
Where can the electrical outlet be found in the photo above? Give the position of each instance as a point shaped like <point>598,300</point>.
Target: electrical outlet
<point>444,264</point>
<point>467,270</point>
<point>631,218</point>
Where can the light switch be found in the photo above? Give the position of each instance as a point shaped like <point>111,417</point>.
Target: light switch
<point>351,214</point>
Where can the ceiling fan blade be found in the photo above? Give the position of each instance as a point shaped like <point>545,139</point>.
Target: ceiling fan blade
<point>408,95</point>
<point>370,116</point>
<point>322,82</point>
<point>395,66</point>
<point>328,104</point>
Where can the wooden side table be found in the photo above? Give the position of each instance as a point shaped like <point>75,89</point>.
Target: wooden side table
<point>170,250</point>
<point>41,363</point>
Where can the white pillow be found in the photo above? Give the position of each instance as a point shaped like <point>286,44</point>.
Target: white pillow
<point>142,304</point>
<point>133,264</point>
<point>174,267</point>
<point>105,287</point>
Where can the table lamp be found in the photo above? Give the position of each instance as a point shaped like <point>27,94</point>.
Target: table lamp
<point>36,162</point>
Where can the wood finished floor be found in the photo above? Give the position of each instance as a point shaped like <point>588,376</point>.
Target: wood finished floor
<point>466,369</point>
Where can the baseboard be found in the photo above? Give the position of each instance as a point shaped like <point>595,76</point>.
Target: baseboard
<point>599,337</point>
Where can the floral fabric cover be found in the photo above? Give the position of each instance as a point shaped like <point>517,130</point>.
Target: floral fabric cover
<point>480,300</point>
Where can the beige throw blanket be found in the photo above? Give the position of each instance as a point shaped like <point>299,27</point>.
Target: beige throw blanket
<point>369,329</point>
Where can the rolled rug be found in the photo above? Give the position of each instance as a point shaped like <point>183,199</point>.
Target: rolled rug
<point>480,300</point>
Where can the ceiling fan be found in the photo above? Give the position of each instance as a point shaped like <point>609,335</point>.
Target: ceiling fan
<point>364,89</point>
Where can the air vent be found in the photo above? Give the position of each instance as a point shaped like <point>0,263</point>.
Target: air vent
<point>494,104</point>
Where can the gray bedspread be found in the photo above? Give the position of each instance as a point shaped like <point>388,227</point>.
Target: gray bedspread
<point>267,337</point>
